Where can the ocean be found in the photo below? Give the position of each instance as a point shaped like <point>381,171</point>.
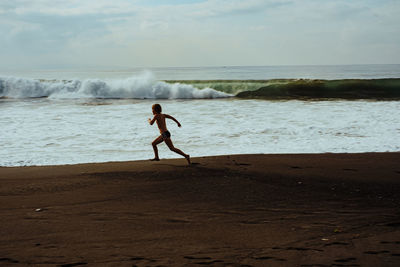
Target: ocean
<point>54,117</point>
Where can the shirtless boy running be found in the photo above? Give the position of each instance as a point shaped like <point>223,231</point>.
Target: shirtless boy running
<point>165,134</point>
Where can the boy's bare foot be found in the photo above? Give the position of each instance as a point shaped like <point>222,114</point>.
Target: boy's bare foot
<point>155,159</point>
<point>187,157</point>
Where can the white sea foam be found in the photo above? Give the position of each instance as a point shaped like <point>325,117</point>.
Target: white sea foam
<point>42,132</point>
<point>144,86</point>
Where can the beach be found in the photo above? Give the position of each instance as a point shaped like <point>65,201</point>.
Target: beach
<point>289,110</point>
<point>232,210</point>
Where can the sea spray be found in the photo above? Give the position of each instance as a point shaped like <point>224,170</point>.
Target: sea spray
<point>140,87</point>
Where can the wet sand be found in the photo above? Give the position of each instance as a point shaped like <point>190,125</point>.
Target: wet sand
<point>238,210</point>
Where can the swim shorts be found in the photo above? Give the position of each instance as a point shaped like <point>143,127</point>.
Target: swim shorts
<point>166,135</point>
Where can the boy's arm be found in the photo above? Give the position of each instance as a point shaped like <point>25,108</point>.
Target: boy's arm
<point>151,121</point>
<point>172,118</point>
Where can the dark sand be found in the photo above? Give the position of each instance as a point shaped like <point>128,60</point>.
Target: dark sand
<point>243,210</point>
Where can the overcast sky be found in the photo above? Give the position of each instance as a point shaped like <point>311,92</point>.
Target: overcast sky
<point>155,33</point>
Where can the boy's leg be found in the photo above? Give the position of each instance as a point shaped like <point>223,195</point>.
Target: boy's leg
<point>169,143</point>
<point>154,144</point>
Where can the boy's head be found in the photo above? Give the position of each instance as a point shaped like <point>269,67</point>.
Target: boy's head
<point>156,108</point>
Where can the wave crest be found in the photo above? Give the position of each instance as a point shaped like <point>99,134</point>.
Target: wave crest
<point>140,87</point>
<point>329,89</point>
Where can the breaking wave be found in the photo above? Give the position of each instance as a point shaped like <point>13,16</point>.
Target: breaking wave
<point>146,86</point>
<point>140,87</point>
<point>379,89</point>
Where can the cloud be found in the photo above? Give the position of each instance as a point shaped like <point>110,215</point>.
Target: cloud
<point>221,8</point>
<point>177,32</point>
<point>68,8</point>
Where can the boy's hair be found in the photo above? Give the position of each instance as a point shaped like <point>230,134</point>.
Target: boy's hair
<point>157,108</point>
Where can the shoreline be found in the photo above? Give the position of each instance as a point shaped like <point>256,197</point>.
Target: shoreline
<point>230,210</point>
<point>198,157</point>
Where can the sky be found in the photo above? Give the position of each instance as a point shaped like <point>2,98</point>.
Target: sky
<point>68,34</point>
